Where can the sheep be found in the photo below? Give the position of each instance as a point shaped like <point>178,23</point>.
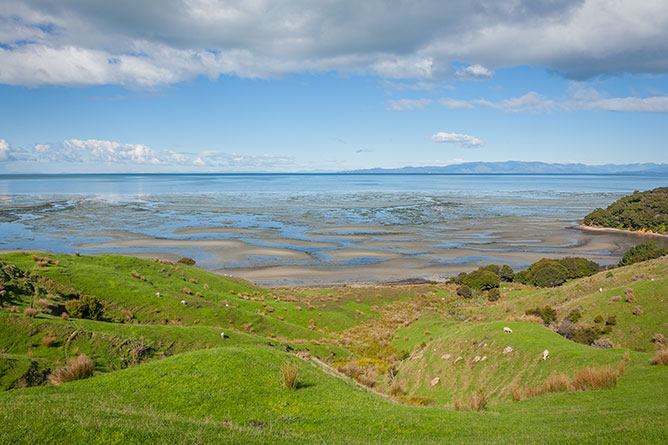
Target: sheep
<point>546,354</point>
<point>222,335</point>
<point>183,302</point>
<point>507,330</point>
<point>157,294</point>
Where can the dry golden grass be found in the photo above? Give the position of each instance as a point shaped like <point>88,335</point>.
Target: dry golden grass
<point>477,402</point>
<point>30,312</point>
<point>44,304</point>
<point>396,389</point>
<point>556,383</point>
<point>48,340</point>
<point>65,316</point>
<point>590,379</point>
<point>77,368</point>
<point>289,376</point>
<point>661,357</point>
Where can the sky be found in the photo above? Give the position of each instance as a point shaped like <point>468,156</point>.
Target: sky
<point>266,86</point>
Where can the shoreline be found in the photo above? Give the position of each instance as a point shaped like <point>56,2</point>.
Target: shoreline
<point>585,228</point>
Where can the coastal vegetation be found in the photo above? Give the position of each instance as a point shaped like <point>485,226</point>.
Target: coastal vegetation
<point>233,362</point>
<point>642,211</point>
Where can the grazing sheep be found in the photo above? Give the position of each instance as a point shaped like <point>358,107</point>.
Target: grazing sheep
<point>507,330</point>
<point>183,302</point>
<point>600,289</point>
<point>546,354</point>
<point>157,294</point>
<point>222,335</point>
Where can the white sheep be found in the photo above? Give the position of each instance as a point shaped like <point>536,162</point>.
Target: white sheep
<point>546,354</point>
<point>507,330</point>
<point>183,302</point>
<point>157,294</point>
<point>222,335</point>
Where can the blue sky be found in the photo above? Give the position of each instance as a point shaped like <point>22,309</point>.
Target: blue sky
<point>206,85</point>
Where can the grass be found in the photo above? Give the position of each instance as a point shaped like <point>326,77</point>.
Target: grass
<point>164,373</point>
<point>661,357</point>
<point>77,368</point>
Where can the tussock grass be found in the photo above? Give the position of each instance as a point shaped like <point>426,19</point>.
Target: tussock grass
<point>289,376</point>
<point>477,402</point>
<point>590,379</point>
<point>77,368</point>
<point>661,357</point>
<point>48,340</point>
<point>30,312</point>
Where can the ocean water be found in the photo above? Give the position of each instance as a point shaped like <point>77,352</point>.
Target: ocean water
<point>304,224</point>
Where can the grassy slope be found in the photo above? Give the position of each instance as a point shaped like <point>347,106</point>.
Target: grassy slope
<point>499,372</point>
<point>649,281</point>
<point>213,395</point>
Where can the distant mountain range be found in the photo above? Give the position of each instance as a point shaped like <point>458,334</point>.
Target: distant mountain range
<point>520,167</point>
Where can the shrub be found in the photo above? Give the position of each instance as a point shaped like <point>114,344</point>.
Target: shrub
<point>523,277</point>
<point>590,378</point>
<point>546,313</point>
<point>42,303</point>
<point>87,306</point>
<point>493,294</point>
<point>585,334</point>
<point>575,315</point>
<point>611,321</point>
<point>30,312</point>
<point>289,376</point>
<point>598,319</point>
<point>547,273</point>
<point>642,252</point>
<point>579,267</point>
<point>556,383</point>
<point>65,316</point>
<point>187,261</point>
<point>630,296</point>
<point>506,274</point>
<point>481,280</point>
<point>477,402</point>
<point>464,291</point>
<point>77,368</point>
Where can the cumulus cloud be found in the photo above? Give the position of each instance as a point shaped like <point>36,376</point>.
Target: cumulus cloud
<point>151,44</point>
<point>463,140</point>
<point>4,150</point>
<point>408,104</point>
<point>95,151</point>
<point>474,72</point>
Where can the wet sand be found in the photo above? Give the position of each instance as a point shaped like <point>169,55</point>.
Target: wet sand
<point>327,256</point>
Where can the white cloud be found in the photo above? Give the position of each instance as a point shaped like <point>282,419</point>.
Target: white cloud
<point>94,152</point>
<point>4,150</point>
<point>463,140</point>
<point>592,99</point>
<point>455,104</point>
<point>152,44</point>
<point>474,72</point>
<point>531,101</point>
<point>408,104</point>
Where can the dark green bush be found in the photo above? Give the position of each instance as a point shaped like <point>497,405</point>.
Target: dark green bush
<point>493,294</point>
<point>522,277</point>
<point>506,274</point>
<point>598,319</point>
<point>611,321</point>
<point>579,267</point>
<point>546,313</point>
<point>464,291</point>
<point>481,280</point>
<point>547,273</point>
<point>575,315</point>
<point>585,334</point>
<point>187,261</point>
<point>87,306</point>
<point>642,252</point>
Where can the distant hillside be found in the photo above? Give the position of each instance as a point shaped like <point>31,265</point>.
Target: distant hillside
<point>519,167</point>
<point>646,211</point>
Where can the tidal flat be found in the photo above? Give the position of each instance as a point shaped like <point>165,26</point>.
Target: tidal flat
<point>319,230</point>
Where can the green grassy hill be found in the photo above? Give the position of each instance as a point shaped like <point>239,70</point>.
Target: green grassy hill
<point>163,373</point>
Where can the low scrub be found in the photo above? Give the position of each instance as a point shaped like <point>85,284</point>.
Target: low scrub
<point>30,312</point>
<point>590,378</point>
<point>476,402</point>
<point>77,368</point>
<point>87,306</point>
<point>583,380</point>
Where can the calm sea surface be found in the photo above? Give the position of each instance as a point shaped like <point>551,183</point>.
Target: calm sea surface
<point>250,222</point>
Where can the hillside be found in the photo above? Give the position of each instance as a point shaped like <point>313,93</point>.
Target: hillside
<point>642,211</point>
<point>163,372</point>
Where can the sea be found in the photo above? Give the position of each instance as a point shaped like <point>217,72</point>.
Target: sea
<point>290,229</point>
